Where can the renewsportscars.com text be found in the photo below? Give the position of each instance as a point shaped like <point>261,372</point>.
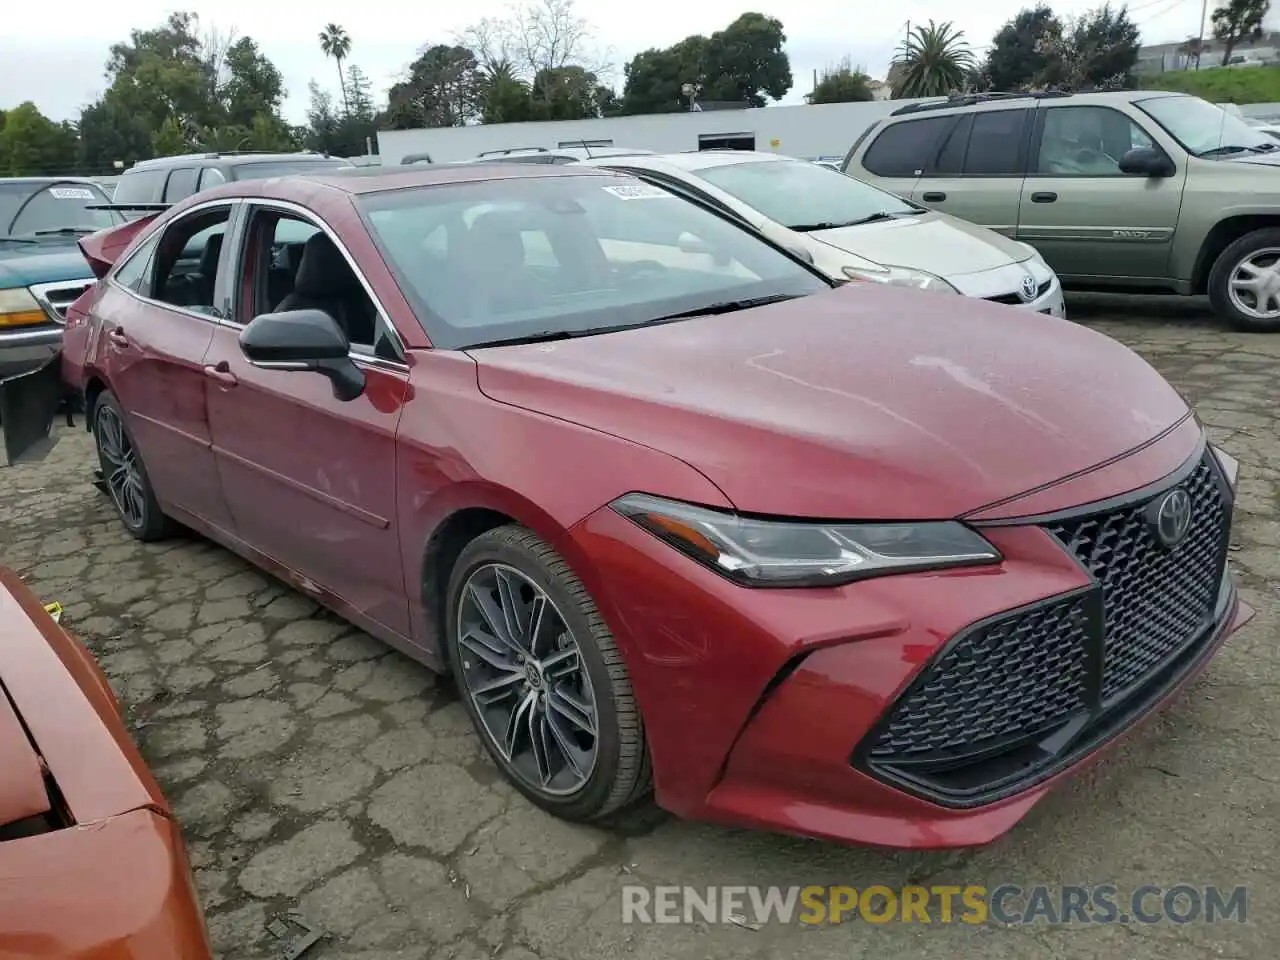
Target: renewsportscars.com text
<point>1009,904</point>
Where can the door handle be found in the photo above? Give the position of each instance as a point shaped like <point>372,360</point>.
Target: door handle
<point>222,373</point>
<point>933,196</point>
<point>1044,196</point>
<point>117,338</point>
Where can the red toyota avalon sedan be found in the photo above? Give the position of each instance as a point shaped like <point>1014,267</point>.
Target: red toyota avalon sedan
<point>860,563</point>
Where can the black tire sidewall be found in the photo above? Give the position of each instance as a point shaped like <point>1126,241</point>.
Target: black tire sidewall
<point>154,523</point>
<point>485,550</point>
<point>1220,277</point>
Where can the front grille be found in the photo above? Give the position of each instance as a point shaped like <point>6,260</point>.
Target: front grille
<point>1154,599</point>
<point>1017,301</point>
<point>55,298</point>
<point>1008,700</point>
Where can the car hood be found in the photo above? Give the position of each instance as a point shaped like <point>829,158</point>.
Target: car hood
<point>23,264</point>
<point>1258,159</point>
<point>931,241</point>
<point>862,402</point>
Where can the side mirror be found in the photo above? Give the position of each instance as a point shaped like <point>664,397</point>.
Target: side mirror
<point>298,340</point>
<point>1147,162</point>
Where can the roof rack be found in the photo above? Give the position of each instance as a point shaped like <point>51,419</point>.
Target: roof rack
<point>503,153</point>
<point>973,99</point>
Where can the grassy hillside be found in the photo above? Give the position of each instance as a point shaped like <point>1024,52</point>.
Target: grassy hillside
<point>1221,85</point>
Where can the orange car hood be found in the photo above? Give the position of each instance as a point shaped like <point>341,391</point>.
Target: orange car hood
<point>56,710</point>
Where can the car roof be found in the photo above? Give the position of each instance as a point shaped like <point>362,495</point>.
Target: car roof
<point>980,101</point>
<point>230,158</point>
<point>35,180</point>
<point>362,180</point>
<point>696,160</point>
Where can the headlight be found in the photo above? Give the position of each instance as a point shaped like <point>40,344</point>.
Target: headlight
<point>18,308</point>
<point>785,553</point>
<point>901,277</point>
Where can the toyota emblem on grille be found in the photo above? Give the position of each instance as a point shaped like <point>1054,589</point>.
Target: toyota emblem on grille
<point>1027,292</point>
<point>1171,518</point>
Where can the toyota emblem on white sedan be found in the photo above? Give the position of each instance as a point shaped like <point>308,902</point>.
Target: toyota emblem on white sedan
<point>1028,289</point>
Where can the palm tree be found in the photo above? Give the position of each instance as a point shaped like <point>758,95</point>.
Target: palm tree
<point>335,43</point>
<point>935,60</point>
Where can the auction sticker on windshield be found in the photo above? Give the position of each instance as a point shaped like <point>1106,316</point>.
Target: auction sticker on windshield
<point>637,191</point>
<point>71,193</point>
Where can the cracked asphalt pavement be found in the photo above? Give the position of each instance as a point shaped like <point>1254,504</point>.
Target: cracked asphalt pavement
<point>316,770</point>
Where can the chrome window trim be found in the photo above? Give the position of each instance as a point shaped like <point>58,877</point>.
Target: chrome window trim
<point>367,358</point>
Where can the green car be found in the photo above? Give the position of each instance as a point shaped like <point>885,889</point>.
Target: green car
<point>1133,192</point>
<point>41,268</point>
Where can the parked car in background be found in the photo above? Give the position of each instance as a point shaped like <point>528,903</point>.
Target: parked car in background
<point>557,156</point>
<point>1134,192</point>
<point>566,435</point>
<point>92,860</point>
<point>853,231</point>
<point>170,179</point>
<point>41,269</point>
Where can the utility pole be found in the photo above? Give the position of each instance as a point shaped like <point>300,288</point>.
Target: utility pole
<point>1204,14</point>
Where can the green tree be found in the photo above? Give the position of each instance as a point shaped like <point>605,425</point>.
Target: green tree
<point>1017,59</point>
<point>1237,21</point>
<point>565,93</point>
<point>335,43</point>
<point>169,140</point>
<point>503,96</point>
<point>746,63</point>
<point>934,58</point>
<point>253,86</point>
<point>32,144</point>
<point>359,95</point>
<point>1096,51</point>
<point>842,83</point>
<point>654,78</point>
<point>442,89</point>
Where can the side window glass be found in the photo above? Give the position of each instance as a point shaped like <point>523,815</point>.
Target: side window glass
<point>182,183</point>
<point>951,158</point>
<point>139,186</point>
<point>995,144</point>
<point>1087,142</point>
<point>307,271</point>
<point>187,259</point>
<point>211,177</point>
<point>905,149</point>
<point>135,273</point>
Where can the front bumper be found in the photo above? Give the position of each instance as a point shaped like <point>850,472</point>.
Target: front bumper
<point>22,351</point>
<point>766,708</point>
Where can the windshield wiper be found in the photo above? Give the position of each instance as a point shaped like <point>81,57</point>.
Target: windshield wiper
<point>548,336</point>
<point>872,218</point>
<point>725,306</point>
<point>65,231</point>
<point>17,240</point>
<point>1235,148</point>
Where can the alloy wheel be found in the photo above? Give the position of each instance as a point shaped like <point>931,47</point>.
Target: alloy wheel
<point>523,671</point>
<point>121,471</point>
<point>1254,286</point>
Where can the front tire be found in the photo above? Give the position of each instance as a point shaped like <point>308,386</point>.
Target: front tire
<point>1244,284</point>
<point>542,679</point>
<point>124,473</point>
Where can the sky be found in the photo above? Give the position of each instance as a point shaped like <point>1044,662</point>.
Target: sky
<point>56,60</point>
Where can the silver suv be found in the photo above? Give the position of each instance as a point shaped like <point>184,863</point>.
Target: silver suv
<point>1134,192</point>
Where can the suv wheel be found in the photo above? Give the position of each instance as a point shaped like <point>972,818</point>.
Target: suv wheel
<point>1244,285</point>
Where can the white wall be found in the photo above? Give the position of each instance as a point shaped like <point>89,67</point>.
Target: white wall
<point>799,131</point>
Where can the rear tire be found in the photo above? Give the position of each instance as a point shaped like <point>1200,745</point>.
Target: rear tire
<point>512,569</point>
<point>1256,251</point>
<point>128,484</point>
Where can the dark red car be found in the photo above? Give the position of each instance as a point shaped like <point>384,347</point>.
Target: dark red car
<point>857,563</point>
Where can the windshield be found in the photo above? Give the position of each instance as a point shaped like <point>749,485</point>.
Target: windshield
<point>1204,128</point>
<point>525,258</point>
<point>263,169</point>
<point>36,208</point>
<point>802,195</point>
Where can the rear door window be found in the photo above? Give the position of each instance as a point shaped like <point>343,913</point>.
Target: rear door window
<point>997,144</point>
<point>182,184</point>
<point>142,186</point>
<point>905,149</point>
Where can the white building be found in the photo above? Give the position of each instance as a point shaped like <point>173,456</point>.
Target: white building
<point>820,130</point>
